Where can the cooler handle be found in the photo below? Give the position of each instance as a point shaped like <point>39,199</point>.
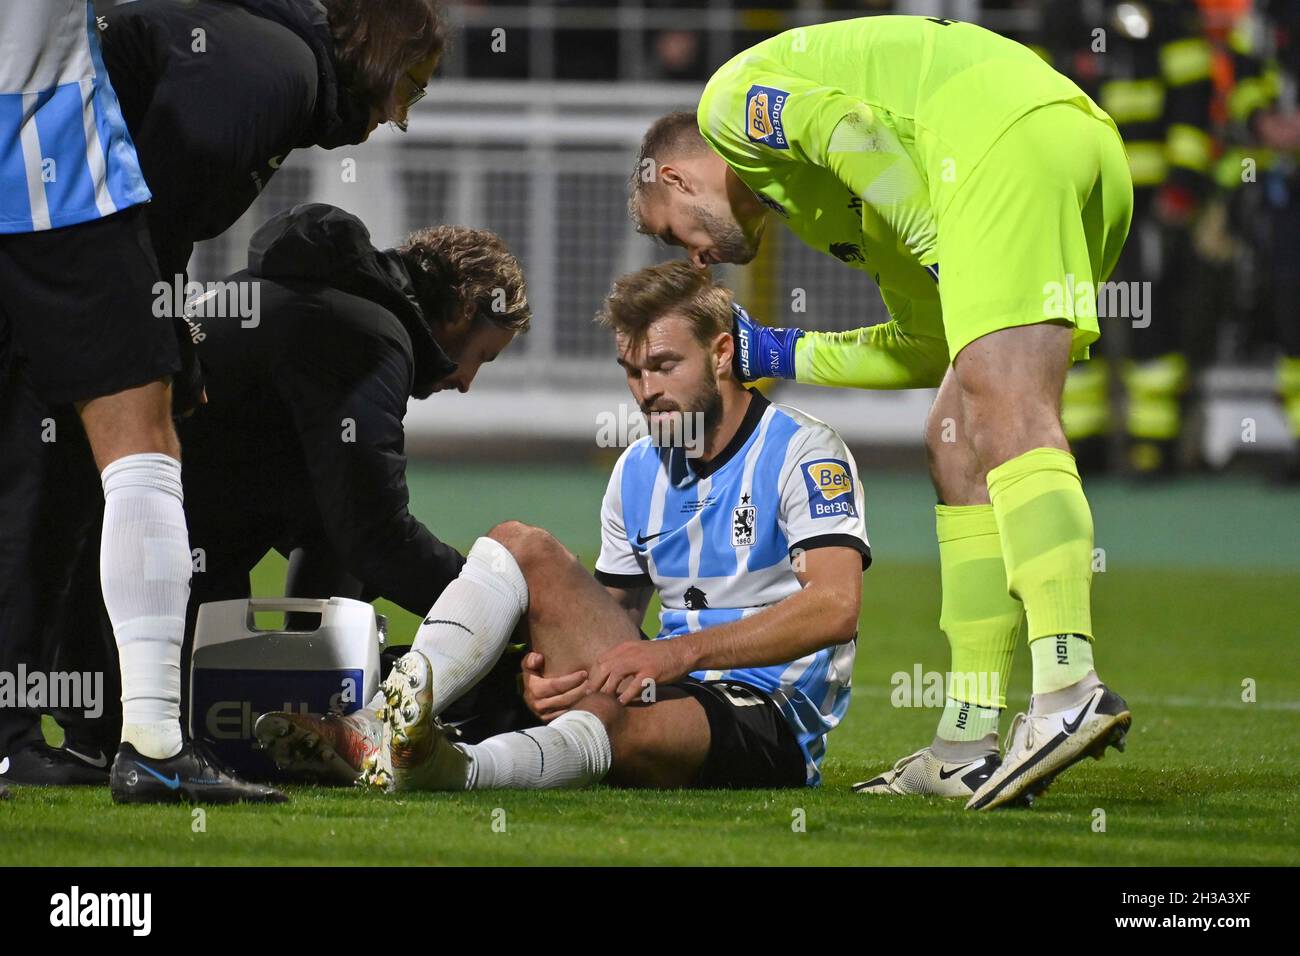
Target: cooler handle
<point>288,605</point>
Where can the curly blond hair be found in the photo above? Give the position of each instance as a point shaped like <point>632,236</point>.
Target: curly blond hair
<point>475,266</point>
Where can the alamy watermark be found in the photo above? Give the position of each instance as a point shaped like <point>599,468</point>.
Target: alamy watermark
<point>197,300</point>
<point>670,429</point>
<point>932,688</point>
<point>1110,300</point>
<point>56,690</point>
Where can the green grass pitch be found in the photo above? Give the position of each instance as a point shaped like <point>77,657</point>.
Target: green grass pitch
<point>1199,600</point>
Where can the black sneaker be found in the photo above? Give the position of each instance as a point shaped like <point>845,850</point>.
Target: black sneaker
<point>40,765</point>
<point>4,792</point>
<point>94,757</point>
<point>192,776</point>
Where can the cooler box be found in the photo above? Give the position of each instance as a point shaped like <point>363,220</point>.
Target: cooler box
<point>239,672</point>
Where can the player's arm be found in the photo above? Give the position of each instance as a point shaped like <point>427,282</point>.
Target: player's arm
<point>823,613</point>
<point>884,356</point>
<point>620,568</point>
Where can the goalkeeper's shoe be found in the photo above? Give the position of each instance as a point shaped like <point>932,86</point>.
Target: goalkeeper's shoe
<point>192,776</point>
<point>329,749</point>
<point>1040,746</point>
<point>924,774</point>
<point>416,752</point>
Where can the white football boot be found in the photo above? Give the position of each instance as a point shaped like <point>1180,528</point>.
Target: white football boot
<point>924,774</point>
<point>416,750</point>
<point>1040,746</point>
<point>329,749</point>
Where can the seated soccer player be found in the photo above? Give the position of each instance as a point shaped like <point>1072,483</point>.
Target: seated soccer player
<point>754,539</point>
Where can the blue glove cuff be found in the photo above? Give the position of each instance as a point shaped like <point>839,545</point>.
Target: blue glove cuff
<point>763,352</point>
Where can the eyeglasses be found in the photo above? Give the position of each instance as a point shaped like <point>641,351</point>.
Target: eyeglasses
<point>417,94</point>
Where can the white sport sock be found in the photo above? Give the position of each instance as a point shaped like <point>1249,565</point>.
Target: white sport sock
<point>466,631</point>
<point>144,569</point>
<point>571,751</point>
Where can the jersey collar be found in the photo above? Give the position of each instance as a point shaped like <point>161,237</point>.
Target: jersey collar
<point>753,415</point>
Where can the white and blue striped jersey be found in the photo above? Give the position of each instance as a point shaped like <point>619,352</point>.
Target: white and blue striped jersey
<point>65,153</point>
<point>716,540</point>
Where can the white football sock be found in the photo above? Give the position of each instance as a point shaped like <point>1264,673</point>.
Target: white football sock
<point>571,751</point>
<point>466,631</point>
<point>144,568</point>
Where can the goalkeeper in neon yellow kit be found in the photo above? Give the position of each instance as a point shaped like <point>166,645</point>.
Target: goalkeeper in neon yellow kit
<point>986,195</point>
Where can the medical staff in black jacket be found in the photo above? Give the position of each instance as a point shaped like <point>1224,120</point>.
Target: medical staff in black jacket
<point>299,447</point>
<point>215,94</point>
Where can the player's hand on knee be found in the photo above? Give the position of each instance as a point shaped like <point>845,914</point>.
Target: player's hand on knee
<point>633,669</point>
<point>761,352</point>
<point>549,697</point>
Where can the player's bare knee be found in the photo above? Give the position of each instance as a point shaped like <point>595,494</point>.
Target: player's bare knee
<point>518,538</point>
<point>532,547</point>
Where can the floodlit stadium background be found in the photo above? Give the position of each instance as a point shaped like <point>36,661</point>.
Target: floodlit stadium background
<point>536,142</point>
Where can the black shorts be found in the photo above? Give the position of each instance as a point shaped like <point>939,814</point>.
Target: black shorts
<point>77,309</point>
<point>751,745</point>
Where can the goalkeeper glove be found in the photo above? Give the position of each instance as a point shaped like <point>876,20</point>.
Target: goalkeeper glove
<point>761,352</point>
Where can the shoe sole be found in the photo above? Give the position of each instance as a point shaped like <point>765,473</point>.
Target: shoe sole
<point>170,797</point>
<point>297,750</point>
<point>405,717</point>
<point>883,789</point>
<point>886,792</point>
<point>1032,783</point>
<point>409,704</point>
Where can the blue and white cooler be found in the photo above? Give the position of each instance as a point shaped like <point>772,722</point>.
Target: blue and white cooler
<point>239,672</point>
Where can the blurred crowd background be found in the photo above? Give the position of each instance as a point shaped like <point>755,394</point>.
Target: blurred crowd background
<point>531,127</point>
<point>1204,92</point>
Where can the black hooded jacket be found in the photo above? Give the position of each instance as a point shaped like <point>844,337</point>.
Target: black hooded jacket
<point>301,442</point>
<point>215,94</point>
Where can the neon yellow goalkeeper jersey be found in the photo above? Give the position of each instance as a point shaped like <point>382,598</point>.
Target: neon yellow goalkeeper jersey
<point>859,132</point>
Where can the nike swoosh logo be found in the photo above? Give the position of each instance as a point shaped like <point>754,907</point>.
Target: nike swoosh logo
<point>641,539</point>
<point>1072,725</point>
<point>100,762</point>
<point>173,784</point>
<point>438,620</point>
<point>956,770</point>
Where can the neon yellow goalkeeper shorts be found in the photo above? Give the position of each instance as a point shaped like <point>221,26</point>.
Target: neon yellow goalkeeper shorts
<point>1035,229</point>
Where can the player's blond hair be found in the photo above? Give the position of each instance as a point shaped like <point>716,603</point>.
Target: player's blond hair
<point>669,288</point>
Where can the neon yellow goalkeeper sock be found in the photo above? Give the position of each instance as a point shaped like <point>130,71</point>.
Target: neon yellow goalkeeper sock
<point>1046,531</point>
<point>1059,661</point>
<point>981,619</point>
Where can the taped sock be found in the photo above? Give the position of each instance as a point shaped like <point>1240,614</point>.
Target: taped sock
<point>144,562</point>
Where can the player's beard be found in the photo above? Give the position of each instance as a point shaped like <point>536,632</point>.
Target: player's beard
<point>689,424</point>
<point>730,243</point>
